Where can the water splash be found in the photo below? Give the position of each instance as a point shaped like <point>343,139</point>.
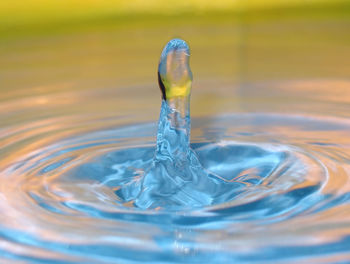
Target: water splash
<point>87,188</point>
<point>176,178</point>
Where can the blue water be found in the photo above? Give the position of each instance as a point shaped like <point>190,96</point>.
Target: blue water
<point>85,198</point>
<point>246,187</point>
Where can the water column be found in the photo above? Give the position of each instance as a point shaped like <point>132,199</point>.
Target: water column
<point>176,178</point>
<point>175,80</point>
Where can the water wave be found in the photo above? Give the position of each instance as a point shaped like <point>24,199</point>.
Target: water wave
<point>61,199</point>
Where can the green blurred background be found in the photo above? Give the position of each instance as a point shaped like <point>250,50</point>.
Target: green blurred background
<point>293,49</point>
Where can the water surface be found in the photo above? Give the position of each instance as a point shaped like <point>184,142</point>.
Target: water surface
<point>270,112</point>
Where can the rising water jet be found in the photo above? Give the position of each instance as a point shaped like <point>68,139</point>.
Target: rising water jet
<point>177,179</point>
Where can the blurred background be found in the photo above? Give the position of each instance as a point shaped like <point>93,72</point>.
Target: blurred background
<point>246,55</point>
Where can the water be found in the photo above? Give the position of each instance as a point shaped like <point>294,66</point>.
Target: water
<point>61,203</point>
<point>75,154</point>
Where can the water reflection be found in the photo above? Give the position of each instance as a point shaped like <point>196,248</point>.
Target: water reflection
<point>75,102</point>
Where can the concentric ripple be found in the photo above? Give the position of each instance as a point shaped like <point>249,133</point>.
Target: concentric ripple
<point>60,198</point>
